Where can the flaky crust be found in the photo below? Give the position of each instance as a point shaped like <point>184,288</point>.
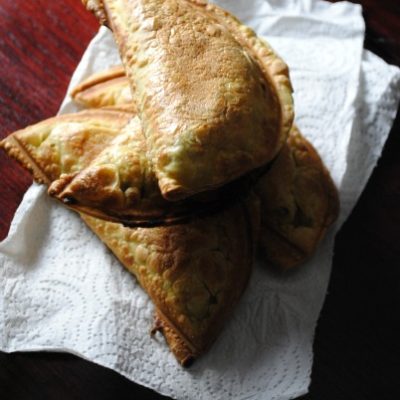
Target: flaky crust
<point>214,100</point>
<point>194,273</point>
<point>299,201</point>
<point>107,88</point>
<point>114,178</point>
<point>117,71</point>
<point>64,144</point>
<point>96,163</point>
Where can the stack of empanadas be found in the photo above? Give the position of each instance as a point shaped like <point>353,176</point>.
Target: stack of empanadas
<point>184,160</point>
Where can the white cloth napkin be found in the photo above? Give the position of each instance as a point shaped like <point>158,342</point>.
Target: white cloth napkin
<point>60,289</point>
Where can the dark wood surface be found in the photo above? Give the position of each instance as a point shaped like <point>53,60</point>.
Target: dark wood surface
<point>357,351</point>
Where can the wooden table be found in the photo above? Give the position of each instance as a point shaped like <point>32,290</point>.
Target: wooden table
<point>356,348</point>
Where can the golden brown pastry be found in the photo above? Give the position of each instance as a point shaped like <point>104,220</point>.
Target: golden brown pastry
<point>213,98</point>
<point>115,178</point>
<point>107,88</point>
<point>214,103</point>
<point>96,162</point>
<point>299,202</point>
<point>297,173</point>
<point>194,273</point>
<point>66,143</point>
<point>89,148</point>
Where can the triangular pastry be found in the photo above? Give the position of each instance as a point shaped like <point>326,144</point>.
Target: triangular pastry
<point>299,201</point>
<point>118,178</point>
<point>119,185</point>
<point>298,198</point>
<point>214,100</point>
<point>194,273</point>
<point>66,143</point>
<point>208,108</point>
<point>89,146</point>
<point>96,162</point>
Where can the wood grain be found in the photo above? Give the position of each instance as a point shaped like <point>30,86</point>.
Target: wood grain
<point>41,43</point>
<point>356,348</point>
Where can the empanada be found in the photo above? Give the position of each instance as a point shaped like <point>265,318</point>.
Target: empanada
<point>299,201</point>
<point>194,273</point>
<point>96,162</point>
<point>214,99</point>
<point>289,236</point>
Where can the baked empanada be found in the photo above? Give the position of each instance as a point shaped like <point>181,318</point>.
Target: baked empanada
<point>96,162</point>
<point>299,201</point>
<point>214,99</point>
<point>107,88</point>
<point>194,273</point>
